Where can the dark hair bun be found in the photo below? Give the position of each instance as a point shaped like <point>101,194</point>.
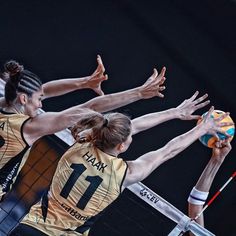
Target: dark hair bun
<point>12,67</point>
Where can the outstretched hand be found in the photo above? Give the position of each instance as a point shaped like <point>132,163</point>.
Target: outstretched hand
<point>215,125</point>
<point>97,77</point>
<point>154,85</point>
<point>189,106</point>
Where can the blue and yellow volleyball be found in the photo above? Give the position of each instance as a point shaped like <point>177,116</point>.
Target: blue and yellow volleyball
<point>208,139</point>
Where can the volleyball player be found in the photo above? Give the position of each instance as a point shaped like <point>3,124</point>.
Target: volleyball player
<point>200,191</point>
<point>21,126</point>
<point>91,175</point>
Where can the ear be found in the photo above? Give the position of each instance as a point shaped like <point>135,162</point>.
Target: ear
<point>23,98</point>
<point>120,147</point>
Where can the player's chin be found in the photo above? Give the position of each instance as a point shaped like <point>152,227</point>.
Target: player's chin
<point>34,114</point>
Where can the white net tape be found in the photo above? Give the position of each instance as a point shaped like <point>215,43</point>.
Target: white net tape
<point>184,223</point>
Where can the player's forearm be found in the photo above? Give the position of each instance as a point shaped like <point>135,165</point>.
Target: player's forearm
<point>204,184</point>
<point>205,181</point>
<point>113,101</point>
<point>193,210</point>
<point>181,142</point>
<point>153,159</point>
<point>150,120</point>
<point>52,122</point>
<point>60,87</point>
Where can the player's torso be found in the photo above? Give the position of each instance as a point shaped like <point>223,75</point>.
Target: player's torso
<point>12,145</point>
<point>87,179</point>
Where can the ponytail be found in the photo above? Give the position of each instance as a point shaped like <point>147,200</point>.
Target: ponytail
<point>115,129</point>
<point>104,132</point>
<point>80,130</point>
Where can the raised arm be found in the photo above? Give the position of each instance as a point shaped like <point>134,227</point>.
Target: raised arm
<point>63,86</point>
<point>151,88</point>
<point>51,122</point>
<point>200,192</point>
<point>140,168</point>
<point>184,112</point>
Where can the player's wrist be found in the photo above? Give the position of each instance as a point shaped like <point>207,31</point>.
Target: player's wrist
<point>197,197</point>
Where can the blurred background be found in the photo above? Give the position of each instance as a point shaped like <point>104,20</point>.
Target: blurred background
<point>195,40</point>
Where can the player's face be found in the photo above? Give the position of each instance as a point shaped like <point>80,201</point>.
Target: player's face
<point>34,103</point>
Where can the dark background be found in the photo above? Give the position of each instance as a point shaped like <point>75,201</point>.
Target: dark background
<point>195,40</point>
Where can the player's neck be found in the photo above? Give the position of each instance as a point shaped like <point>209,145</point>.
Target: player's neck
<point>14,108</point>
<point>111,152</point>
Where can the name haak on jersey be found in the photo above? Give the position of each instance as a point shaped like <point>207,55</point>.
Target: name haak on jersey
<point>92,160</point>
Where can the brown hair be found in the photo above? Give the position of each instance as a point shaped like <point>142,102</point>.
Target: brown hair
<point>106,130</point>
<point>19,80</point>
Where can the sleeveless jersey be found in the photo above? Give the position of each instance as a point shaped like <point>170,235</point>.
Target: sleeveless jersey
<point>12,148</point>
<point>86,181</point>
